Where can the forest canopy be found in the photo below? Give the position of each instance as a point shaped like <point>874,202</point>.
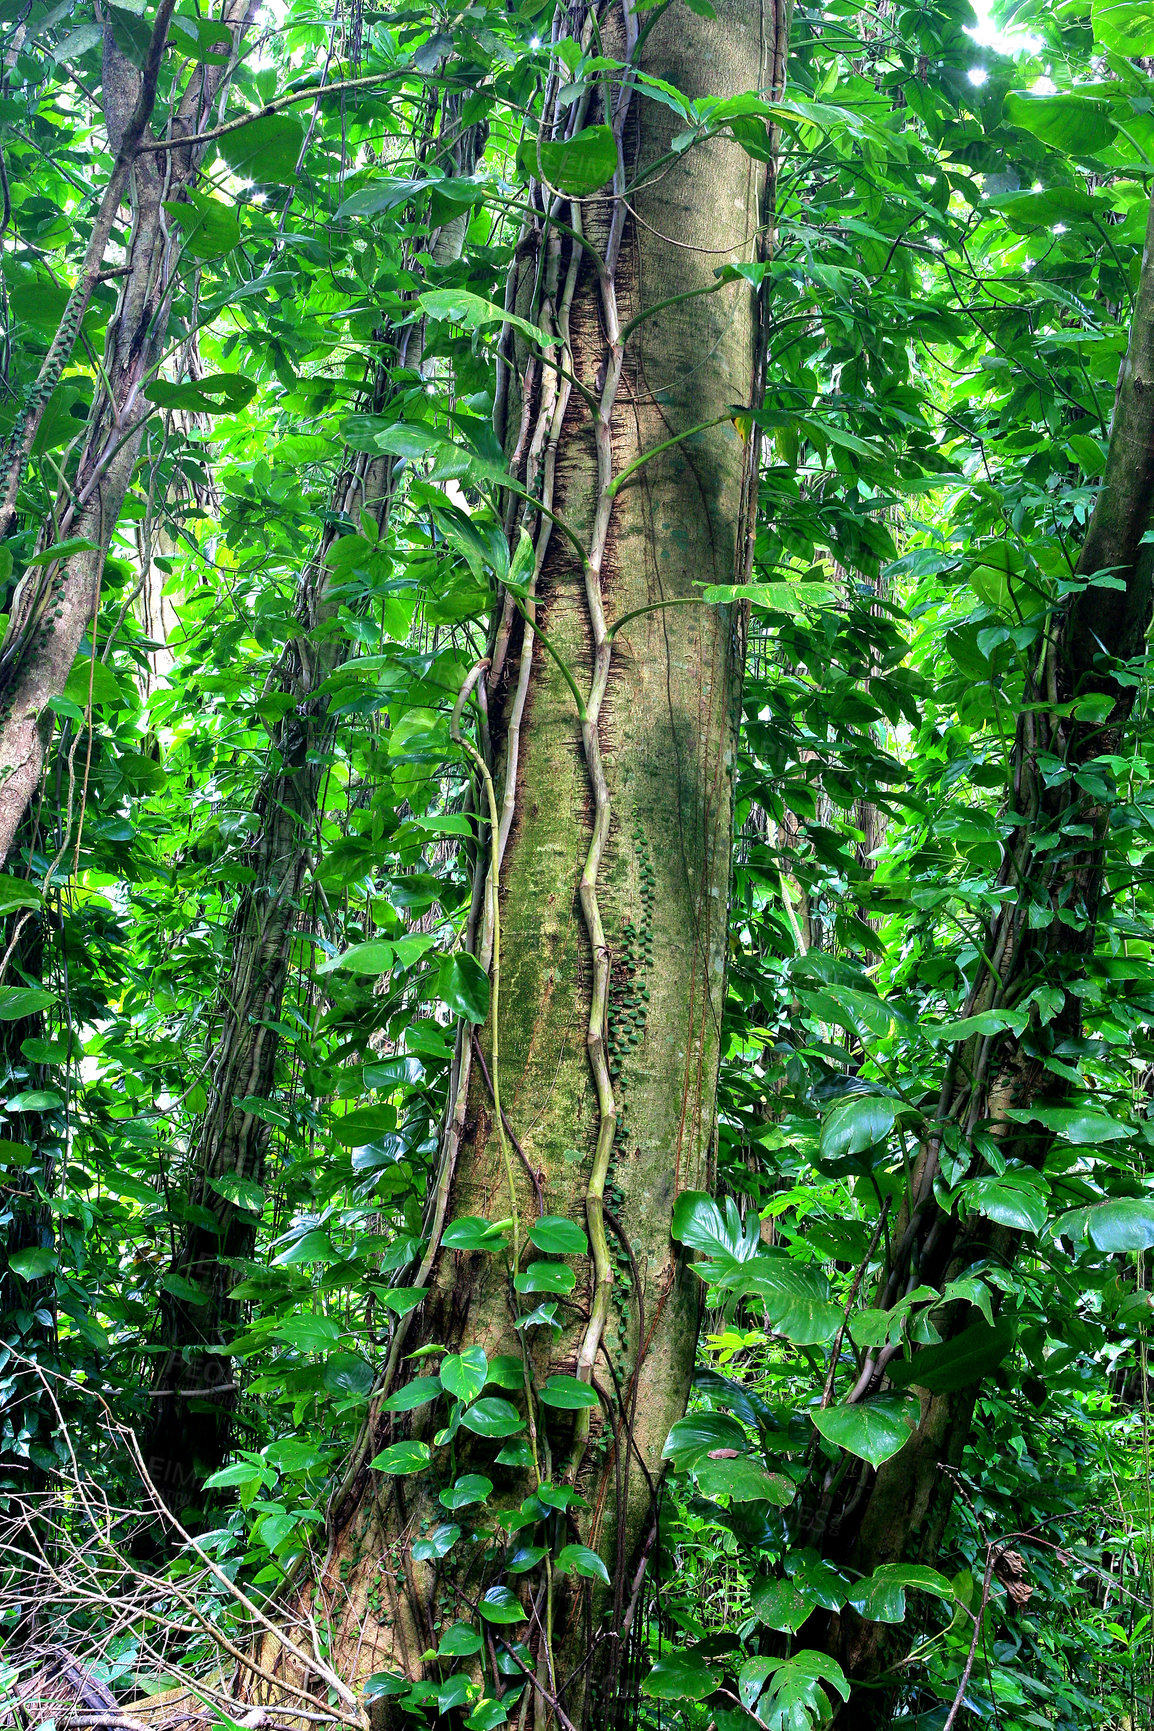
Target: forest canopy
<point>577,980</point>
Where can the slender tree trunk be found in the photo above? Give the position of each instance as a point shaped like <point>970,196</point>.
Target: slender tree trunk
<point>899,1512</point>
<point>194,1388</point>
<point>614,826</point>
<point>193,1393</point>
<point>55,604</point>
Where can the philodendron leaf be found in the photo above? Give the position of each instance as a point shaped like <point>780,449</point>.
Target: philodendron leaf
<point>965,1358</point>
<point>579,165</point>
<point>558,1236</point>
<point>1016,1199</point>
<point>743,1481</point>
<point>1078,126</point>
<point>680,1677</point>
<point>871,1429</point>
<point>1124,27</point>
<point>881,1597</point>
<point>852,1129</point>
<point>695,1437</point>
<point>463,985</point>
<point>464,1373</point>
<point>797,1300</point>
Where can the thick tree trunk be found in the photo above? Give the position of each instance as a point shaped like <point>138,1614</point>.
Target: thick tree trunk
<point>54,604</point>
<point>615,827</point>
<point>900,1512</point>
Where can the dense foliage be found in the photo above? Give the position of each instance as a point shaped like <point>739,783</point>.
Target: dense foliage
<point>946,294</point>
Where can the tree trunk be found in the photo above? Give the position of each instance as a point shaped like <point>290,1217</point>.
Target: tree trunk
<point>615,829</point>
<point>899,1512</point>
<point>193,1391</point>
<point>194,1387</point>
<point>54,604</point>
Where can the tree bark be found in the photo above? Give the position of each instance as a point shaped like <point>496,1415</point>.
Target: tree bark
<point>614,828</point>
<point>899,1512</point>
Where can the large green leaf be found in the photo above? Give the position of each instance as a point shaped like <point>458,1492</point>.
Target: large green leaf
<point>963,1359</point>
<point>559,1236</point>
<point>1078,126</point>
<point>743,1481</point>
<point>881,1597</point>
<point>1122,1225</point>
<point>463,985</point>
<point>464,1373</point>
<point>796,1296</point>
<point>695,1437</point>
<point>579,165</point>
<point>680,1677</point>
<point>1016,1199</point>
<point>1124,27</point>
<point>852,1128</point>
<point>871,1429</point>
<point>265,149</point>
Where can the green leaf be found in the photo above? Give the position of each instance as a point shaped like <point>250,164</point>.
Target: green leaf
<point>796,1297</point>
<point>363,1125</point>
<point>208,396</point>
<point>308,1333</point>
<point>347,1376</point>
<point>546,1277</point>
<point>779,1605</point>
<point>881,1597</point>
<point>375,957</point>
<point>871,1429</point>
<point>417,1393</point>
<point>499,1605</point>
<point>19,893</point>
<point>793,1699</point>
<point>459,1641</point>
<point>700,1224</point>
<point>314,1246</point>
<point>32,1264</point>
<point>567,1392</point>
<point>1078,126</point>
<point>463,985</point>
<point>853,1127</point>
<point>1122,1225</point>
<point>578,166</point>
<point>1124,27</point>
<point>743,1481</point>
<point>558,1236</point>
<point>680,1677</point>
<point>436,1544</point>
<point>264,149</point>
<point>402,1458</point>
<point>956,1363</point>
<point>1081,1125</point>
<point>580,1560</point>
<point>471,1232</point>
<point>695,1437</point>
<point>186,1290</point>
<point>469,1488</point>
<point>464,1373</point>
<point>34,1100</point>
<point>1015,1199</point>
<point>210,227</point>
<point>241,1191</point>
<point>459,307</point>
<point>19,1002</point>
<point>493,1417</point>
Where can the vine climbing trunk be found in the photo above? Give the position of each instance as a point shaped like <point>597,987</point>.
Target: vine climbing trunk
<point>521,1521</point>
<point>1063,790</point>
